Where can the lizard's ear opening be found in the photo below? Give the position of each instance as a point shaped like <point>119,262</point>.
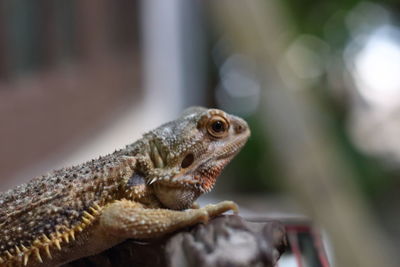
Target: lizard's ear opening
<point>187,161</point>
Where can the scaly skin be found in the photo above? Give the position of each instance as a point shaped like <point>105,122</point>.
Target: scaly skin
<point>142,191</point>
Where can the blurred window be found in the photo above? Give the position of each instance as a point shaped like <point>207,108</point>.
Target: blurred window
<point>43,34</point>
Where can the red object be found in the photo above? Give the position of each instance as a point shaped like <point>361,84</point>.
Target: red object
<point>305,244</point>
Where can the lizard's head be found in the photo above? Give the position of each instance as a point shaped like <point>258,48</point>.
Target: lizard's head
<point>189,153</point>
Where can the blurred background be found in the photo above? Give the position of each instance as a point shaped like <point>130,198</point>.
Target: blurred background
<point>318,82</point>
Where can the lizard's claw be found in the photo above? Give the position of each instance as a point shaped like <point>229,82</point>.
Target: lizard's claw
<point>219,208</point>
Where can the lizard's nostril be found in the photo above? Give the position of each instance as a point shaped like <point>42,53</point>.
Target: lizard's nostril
<point>240,127</point>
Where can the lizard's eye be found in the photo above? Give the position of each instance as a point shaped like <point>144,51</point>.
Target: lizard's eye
<point>187,161</point>
<point>218,127</point>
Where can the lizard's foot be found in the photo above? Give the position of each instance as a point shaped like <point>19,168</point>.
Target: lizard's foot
<point>219,208</point>
<point>128,219</point>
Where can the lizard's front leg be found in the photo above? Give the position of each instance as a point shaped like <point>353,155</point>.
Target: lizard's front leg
<point>127,219</point>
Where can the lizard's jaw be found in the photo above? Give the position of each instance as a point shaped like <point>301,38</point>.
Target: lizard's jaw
<point>207,173</point>
<point>179,192</point>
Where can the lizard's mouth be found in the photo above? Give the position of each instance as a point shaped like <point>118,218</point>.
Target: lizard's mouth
<point>231,149</point>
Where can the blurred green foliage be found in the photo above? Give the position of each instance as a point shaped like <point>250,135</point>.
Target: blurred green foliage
<point>255,169</point>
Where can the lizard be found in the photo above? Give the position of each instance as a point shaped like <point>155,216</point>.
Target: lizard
<point>142,191</point>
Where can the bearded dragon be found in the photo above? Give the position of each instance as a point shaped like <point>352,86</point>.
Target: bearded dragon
<point>144,190</point>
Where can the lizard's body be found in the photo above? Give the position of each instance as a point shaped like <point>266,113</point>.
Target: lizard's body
<point>142,191</point>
